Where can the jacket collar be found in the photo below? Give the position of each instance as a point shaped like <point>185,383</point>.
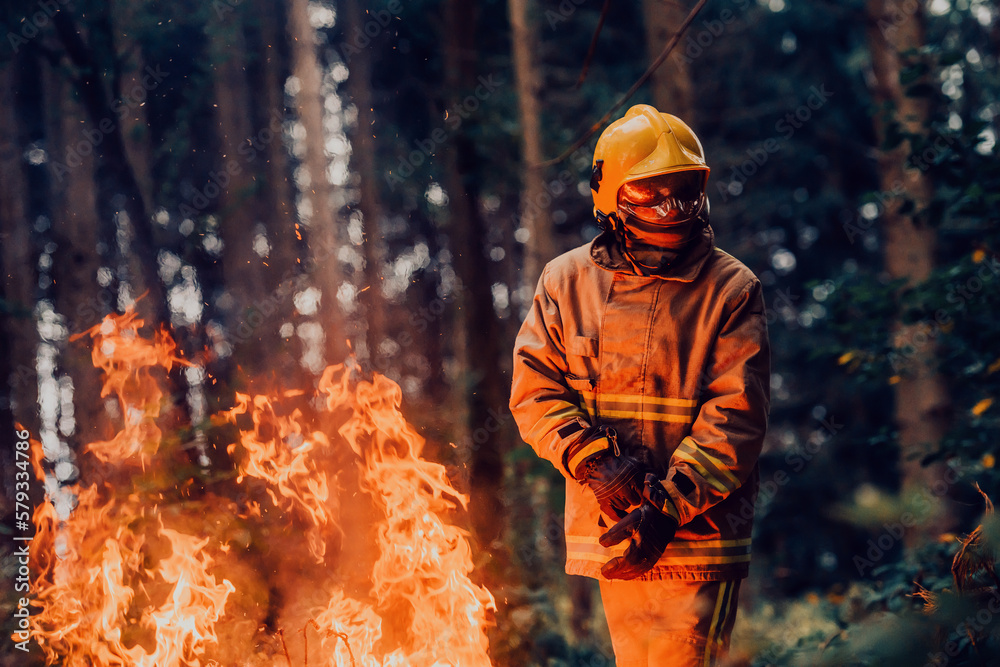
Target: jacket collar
<point>605,253</point>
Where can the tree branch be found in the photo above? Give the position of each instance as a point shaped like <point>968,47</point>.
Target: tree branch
<point>631,91</point>
<point>593,45</point>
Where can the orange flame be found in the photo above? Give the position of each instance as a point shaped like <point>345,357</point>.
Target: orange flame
<point>127,361</point>
<point>92,568</point>
<point>423,560</point>
<point>278,452</point>
<point>376,577</point>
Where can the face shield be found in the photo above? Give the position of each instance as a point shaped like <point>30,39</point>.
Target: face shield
<point>664,200</point>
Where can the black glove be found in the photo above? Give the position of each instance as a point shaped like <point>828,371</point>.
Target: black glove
<point>616,479</point>
<point>616,482</point>
<point>649,531</point>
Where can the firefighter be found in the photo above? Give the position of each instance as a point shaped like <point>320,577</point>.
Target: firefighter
<point>641,372</point>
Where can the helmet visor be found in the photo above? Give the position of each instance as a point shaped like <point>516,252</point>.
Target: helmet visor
<point>666,199</point>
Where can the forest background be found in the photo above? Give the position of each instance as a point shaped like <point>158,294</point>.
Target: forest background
<point>291,182</point>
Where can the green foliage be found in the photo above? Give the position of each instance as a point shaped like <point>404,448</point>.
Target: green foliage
<point>952,319</point>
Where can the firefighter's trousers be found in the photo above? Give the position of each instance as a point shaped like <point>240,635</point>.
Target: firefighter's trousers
<point>669,622</point>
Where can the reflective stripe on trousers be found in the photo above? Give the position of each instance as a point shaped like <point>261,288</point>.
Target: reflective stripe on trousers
<point>670,623</point>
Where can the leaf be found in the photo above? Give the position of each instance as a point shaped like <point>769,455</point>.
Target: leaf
<point>982,406</point>
<point>974,191</point>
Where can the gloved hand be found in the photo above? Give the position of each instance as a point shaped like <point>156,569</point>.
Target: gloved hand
<point>616,479</point>
<point>654,492</point>
<point>649,531</point>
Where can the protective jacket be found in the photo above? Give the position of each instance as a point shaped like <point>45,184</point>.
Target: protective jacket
<point>678,364</point>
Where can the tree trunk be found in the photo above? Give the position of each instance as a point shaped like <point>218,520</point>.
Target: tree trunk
<point>118,199</point>
<point>323,237</point>
<point>486,390</point>
<point>135,123</point>
<point>535,201</point>
<point>277,196</point>
<point>78,296</point>
<point>432,342</point>
<point>363,154</point>
<point>280,194</point>
<point>672,90</point>
<point>18,338</point>
<point>238,211</point>
<point>119,196</point>
<point>922,400</point>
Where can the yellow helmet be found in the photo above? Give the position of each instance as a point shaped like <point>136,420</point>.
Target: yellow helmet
<point>641,144</point>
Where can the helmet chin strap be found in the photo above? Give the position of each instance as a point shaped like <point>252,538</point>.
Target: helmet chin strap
<point>614,224</point>
<point>640,268</point>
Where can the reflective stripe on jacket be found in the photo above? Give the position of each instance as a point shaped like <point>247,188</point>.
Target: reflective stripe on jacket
<point>678,365</point>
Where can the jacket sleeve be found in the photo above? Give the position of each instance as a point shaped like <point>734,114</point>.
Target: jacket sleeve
<point>721,451</point>
<point>547,410</point>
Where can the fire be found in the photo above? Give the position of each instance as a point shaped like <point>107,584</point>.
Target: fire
<point>127,361</point>
<point>279,452</point>
<point>332,546</point>
<point>92,570</point>
<point>423,560</point>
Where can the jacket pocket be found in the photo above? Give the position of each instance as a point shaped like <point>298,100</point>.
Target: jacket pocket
<point>584,387</point>
<point>581,383</point>
<point>581,360</point>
